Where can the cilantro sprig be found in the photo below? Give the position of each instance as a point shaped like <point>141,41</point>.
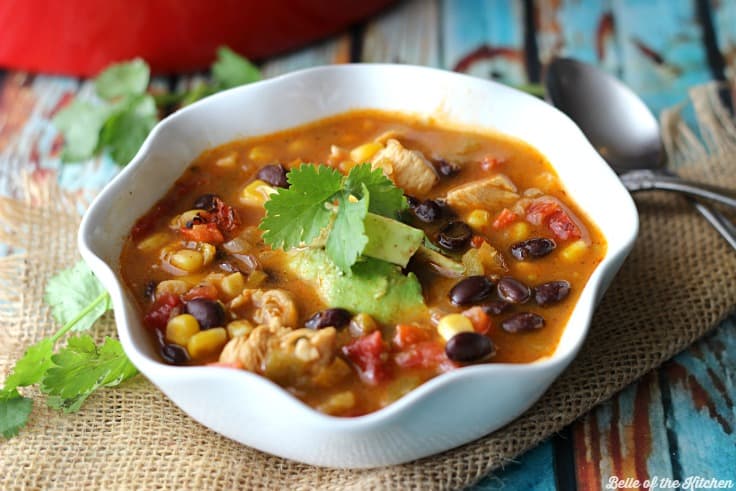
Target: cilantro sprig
<point>322,202</point>
<point>69,376</point>
<point>123,113</point>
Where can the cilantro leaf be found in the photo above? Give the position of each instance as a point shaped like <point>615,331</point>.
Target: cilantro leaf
<point>347,238</point>
<point>386,198</point>
<point>123,79</point>
<point>31,367</point>
<point>126,130</point>
<point>80,122</point>
<point>81,368</point>
<point>73,290</point>
<point>296,215</point>
<point>231,69</point>
<point>14,412</point>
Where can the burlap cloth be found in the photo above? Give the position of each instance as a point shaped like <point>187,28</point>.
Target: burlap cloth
<point>677,284</point>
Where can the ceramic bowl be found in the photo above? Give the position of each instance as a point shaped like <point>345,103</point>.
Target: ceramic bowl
<point>443,413</point>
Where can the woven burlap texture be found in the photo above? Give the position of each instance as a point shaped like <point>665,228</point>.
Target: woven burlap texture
<point>678,282</point>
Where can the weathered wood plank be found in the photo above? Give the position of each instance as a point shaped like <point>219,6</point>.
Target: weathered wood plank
<point>333,50</point>
<point>702,387</point>
<point>405,34</point>
<point>661,49</point>
<point>724,20</point>
<point>533,472</point>
<point>624,437</point>
<point>485,38</point>
<point>582,30</point>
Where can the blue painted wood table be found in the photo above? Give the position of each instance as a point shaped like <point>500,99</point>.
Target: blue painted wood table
<point>677,422</point>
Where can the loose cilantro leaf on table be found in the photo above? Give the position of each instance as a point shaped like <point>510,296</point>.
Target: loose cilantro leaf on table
<point>123,79</point>
<point>232,70</point>
<point>321,201</point>
<point>77,299</point>
<point>14,412</point>
<point>83,367</point>
<point>123,116</point>
<point>70,291</point>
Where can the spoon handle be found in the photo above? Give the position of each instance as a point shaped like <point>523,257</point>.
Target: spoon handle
<point>719,222</point>
<point>645,180</point>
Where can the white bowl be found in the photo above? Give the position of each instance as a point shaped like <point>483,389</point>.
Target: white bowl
<point>445,412</point>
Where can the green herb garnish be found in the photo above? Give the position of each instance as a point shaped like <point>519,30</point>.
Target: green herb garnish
<point>320,202</point>
<point>68,377</point>
<point>124,113</point>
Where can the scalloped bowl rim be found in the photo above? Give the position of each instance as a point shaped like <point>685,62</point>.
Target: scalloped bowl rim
<point>165,376</point>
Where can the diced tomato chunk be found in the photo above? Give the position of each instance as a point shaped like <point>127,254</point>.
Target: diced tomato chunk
<point>425,354</point>
<point>552,215</point>
<point>408,334</point>
<point>369,355</point>
<point>504,219</point>
<point>161,311</point>
<point>563,226</point>
<point>226,217</point>
<point>477,241</point>
<point>480,320</point>
<point>201,291</point>
<point>203,232</point>
<point>491,163</point>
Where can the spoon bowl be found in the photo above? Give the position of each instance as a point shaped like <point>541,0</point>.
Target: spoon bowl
<point>627,135</point>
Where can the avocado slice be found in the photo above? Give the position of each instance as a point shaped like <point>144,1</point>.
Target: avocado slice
<point>375,287</point>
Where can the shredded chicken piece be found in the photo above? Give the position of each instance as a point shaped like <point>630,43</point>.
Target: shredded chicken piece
<point>272,307</point>
<point>494,192</point>
<point>387,135</point>
<point>408,169</point>
<point>315,349</point>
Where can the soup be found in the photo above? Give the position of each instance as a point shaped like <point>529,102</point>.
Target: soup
<point>354,258</point>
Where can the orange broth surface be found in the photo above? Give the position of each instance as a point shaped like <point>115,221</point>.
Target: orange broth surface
<point>339,381</point>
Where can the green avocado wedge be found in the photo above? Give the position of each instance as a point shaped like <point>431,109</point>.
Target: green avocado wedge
<point>377,288</point>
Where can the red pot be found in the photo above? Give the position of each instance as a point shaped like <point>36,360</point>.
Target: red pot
<point>81,37</point>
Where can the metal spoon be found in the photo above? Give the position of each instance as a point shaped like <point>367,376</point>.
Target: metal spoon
<point>626,134</point>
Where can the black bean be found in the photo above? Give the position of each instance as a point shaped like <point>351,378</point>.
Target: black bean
<point>445,168</point>
<point>497,307</point>
<point>174,354</point>
<point>411,201</point>
<point>512,290</point>
<point>532,248</point>
<point>468,346</point>
<point>209,313</point>
<point>447,211</point>
<point>455,236</point>
<point>336,318</point>
<point>523,321</point>
<point>472,289</point>
<point>427,211</point>
<point>207,202</point>
<point>274,174</point>
<point>551,292</point>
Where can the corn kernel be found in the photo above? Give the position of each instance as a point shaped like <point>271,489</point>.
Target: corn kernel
<point>478,219</point>
<point>362,324</point>
<point>153,242</point>
<point>206,343</point>
<point>256,278</point>
<point>574,251</point>
<point>338,403</point>
<point>519,231</point>
<point>260,153</point>
<point>208,252</point>
<point>228,161</point>
<point>365,152</point>
<point>256,193</point>
<point>452,324</point>
<point>181,328</point>
<point>297,146</point>
<point>173,287</point>
<point>240,327</point>
<point>232,284</point>
<point>187,260</point>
